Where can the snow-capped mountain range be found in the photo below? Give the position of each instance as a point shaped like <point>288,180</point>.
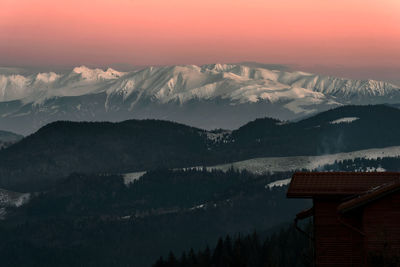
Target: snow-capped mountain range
<point>208,96</point>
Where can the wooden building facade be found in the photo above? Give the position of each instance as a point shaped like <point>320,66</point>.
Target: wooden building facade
<point>356,216</point>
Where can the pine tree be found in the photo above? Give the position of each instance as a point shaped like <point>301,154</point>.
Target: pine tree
<point>172,262</point>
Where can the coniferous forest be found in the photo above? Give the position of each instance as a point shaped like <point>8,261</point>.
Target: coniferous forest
<point>97,220</point>
<point>285,248</point>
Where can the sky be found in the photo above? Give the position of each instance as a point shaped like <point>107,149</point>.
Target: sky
<point>362,35</point>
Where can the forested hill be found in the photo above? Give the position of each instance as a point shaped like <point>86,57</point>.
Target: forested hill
<point>61,148</point>
<point>64,147</point>
<point>343,129</point>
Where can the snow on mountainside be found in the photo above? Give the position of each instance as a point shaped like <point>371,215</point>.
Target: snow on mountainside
<point>242,84</point>
<point>344,120</point>
<point>9,198</point>
<point>277,164</point>
<point>208,96</point>
<point>234,82</point>
<point>293,163</point>
<point>79,81</point>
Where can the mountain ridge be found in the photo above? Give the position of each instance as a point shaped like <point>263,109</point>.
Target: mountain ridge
<point>184,93</point>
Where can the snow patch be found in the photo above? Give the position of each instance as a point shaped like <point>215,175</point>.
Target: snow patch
<point>201,206</point>
<point>344,120</point>
<point>9,198</point>
<point>218,136</point>
<point>278,183</point>
<point>132,176</point>
<point>373,169</point>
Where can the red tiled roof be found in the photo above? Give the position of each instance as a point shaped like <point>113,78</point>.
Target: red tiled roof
<point>312,184</point>
<point>370,196</point>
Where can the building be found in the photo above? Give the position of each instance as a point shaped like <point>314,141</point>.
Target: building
<point>356,216</point>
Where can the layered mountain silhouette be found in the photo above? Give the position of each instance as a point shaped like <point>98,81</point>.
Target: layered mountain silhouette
<point>63,147</point>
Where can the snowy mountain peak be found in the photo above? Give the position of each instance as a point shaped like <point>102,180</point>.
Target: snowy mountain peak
<point>47,77</point>
<point>97,74</point>
<point>218,67</point>
<point>81,69</point>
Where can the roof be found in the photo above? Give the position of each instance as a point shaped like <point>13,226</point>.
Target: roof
<point>370,196</point>
<point>314,184</point>
<point>305,214</point>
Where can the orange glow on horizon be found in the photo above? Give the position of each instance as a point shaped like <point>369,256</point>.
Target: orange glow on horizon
<point>350,32</point>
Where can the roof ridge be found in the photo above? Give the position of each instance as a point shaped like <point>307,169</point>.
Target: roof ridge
<point>370,195</point>
<point>346,173</point>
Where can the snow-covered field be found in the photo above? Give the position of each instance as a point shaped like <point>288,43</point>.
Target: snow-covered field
<point>279,164</point>
<point>275,164</point>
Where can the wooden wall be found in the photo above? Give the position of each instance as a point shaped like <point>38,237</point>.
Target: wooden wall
<point>381,223</point>
<point>335,243</point>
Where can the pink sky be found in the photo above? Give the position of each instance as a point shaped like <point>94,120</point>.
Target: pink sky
<point>352,33</point>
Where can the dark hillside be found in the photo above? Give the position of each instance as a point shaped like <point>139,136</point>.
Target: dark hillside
<point>61,148</point>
